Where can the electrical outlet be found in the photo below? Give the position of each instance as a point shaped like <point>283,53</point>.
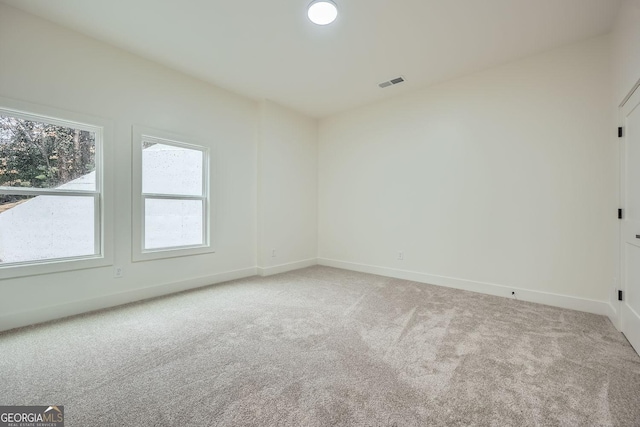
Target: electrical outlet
<point>400,256</point>
<point>273,253</point>
<point>117,272</point>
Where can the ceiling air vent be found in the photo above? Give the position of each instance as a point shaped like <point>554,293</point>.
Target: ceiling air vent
<point>391,82</point>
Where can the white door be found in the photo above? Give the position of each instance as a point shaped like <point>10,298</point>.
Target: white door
<point>630,229</point>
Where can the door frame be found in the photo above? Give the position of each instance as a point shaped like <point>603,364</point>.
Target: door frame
<point>628,324</point>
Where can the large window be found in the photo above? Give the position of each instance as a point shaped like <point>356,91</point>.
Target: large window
<point>173,210</point>
<point>50,189</point>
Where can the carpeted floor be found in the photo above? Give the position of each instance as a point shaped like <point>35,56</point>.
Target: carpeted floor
<point>326,347</point>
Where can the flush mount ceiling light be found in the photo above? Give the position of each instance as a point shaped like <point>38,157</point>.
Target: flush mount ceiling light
<point>322,12</point>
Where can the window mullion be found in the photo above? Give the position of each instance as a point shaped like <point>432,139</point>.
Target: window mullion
<point>47,192</point>
<point>172,196</point>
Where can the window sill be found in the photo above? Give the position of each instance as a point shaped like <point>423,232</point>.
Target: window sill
<point>12,271</point>
<point>155,254</point>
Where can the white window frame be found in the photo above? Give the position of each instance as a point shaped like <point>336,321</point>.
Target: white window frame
<point>103,219</point>
<point>140,135</point>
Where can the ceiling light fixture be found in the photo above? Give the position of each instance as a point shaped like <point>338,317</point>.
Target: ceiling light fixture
<point>322,12</point>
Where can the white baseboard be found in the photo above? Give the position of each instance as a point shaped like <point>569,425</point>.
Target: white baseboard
<point>31,317</point>
<point>283,268</point>
<point>555,300</point>
<point>612,314</point>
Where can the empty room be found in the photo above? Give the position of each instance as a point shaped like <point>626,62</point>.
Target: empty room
<point>319,213</point>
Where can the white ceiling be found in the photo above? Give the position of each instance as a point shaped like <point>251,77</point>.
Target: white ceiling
<point>269,49</point>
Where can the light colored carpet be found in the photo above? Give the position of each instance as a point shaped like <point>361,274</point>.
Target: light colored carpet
<point>326,347</point>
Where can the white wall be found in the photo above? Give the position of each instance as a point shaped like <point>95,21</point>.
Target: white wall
<point>287,189</point>
<point>626,49</point>
<point>506,177</point>
<point>45,64</point>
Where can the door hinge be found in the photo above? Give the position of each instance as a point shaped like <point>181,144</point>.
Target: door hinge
<point>620,213</point>
<point>620,296</point>
<point>620,132</point>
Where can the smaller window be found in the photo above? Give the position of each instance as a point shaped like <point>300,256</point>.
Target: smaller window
<point>173,210</point>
